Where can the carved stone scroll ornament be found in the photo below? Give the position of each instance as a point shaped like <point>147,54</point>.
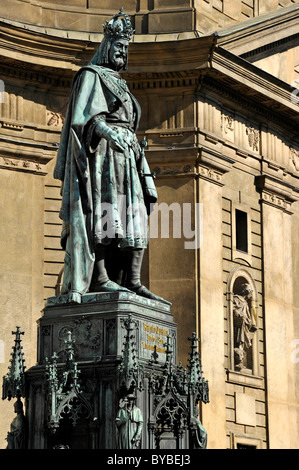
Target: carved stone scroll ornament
<point>253,137</point>
<point>228,126</point>
<point>294,157</point>
<point>54,119</point>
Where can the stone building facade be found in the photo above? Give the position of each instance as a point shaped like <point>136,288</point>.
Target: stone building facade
<point>216,81</point>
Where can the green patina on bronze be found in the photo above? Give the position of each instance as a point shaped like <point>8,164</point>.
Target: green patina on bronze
<point>102,165</point>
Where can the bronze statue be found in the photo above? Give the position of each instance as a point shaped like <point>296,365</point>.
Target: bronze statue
<point>200,435</point>
<point>129,422</point>
<point>107,187</point>
<point>244,323</point>
<point>16,437</point>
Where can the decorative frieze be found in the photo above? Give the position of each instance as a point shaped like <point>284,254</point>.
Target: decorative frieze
<point>276,201</point>
<point>11,125</point>
<point>171,134</point>
<point>22,165</point>
<point>172,170</point>
<point>156,80</point>
<point>209,174</point>
<point>277,193</point>
<point>212,165</point>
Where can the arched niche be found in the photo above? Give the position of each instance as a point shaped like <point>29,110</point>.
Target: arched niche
<point>171,423</point>
<point>242,297</point>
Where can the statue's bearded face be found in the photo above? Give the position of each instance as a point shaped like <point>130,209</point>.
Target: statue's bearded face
<point>118,54</point>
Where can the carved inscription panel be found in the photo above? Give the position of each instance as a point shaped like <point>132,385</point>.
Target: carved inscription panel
<point>153,339</point>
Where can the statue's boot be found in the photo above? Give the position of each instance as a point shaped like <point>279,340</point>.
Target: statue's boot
<point>101,281</point>
<point>133,271</point>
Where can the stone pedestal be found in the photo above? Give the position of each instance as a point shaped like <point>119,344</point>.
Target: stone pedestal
<point>98,333</point>
<point>96,326</point>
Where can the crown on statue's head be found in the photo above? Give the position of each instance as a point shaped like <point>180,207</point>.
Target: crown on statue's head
<point>119,27</point>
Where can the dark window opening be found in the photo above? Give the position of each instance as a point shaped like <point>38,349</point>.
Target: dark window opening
<point>241,231</point>
<point>245,446</point>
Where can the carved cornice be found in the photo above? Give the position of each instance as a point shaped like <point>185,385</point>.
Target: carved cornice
<point>173,170</point>
<point>25,156</point>
<point>281,116</point>
<point>40,49</point>
<point>196,162</point>
<point>48,59</point>
<point>212,165</point>
<point>20,164</point>
<point>41,76</point>
<point>273,47</point>
<point>276,193</point>
<point>156,80</point>
<point>234,67</point>
<point>294,158</point>
<point>170,162</point>
<point>253,35</point>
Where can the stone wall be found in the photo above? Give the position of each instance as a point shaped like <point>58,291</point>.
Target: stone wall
<point>220,133</point>
<point>149,16</point>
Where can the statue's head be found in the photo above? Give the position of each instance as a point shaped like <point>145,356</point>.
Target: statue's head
<point>131,400</point>
<point>18,406</point>
<point>247,290</point>
<point>113,51</point>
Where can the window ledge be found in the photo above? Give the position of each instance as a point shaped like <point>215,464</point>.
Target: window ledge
<point>245,379</point>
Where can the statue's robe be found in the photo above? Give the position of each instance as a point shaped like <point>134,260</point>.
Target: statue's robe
<point>244,321</point>
<point>16,438</point>
<point>104,195</point>
<point>129,427</point>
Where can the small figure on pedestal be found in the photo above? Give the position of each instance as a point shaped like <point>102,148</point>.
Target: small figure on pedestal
<point>129,422</point>
<point>16,437</point>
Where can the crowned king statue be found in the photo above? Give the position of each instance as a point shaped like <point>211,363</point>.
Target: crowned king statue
<point>107,188</point>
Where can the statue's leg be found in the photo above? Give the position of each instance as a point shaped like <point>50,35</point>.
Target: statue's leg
<point>114,260</point>
<point>135,258</point>
<point>133,272</point>
<point>101,281</point>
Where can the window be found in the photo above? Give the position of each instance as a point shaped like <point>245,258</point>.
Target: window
<point>241,231</point>
<point>245,442</point>
<point>245,446</point>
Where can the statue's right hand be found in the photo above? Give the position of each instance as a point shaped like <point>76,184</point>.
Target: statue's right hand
<point>115,140</point>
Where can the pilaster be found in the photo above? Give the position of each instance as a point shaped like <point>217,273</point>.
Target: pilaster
<point>211,168</point>
<point>276,199</point>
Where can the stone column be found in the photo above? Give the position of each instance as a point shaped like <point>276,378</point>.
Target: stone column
<point>276,199</point>
<point>212,166</point>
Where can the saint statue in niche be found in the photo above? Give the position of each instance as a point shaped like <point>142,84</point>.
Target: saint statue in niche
<point>244,326</point>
